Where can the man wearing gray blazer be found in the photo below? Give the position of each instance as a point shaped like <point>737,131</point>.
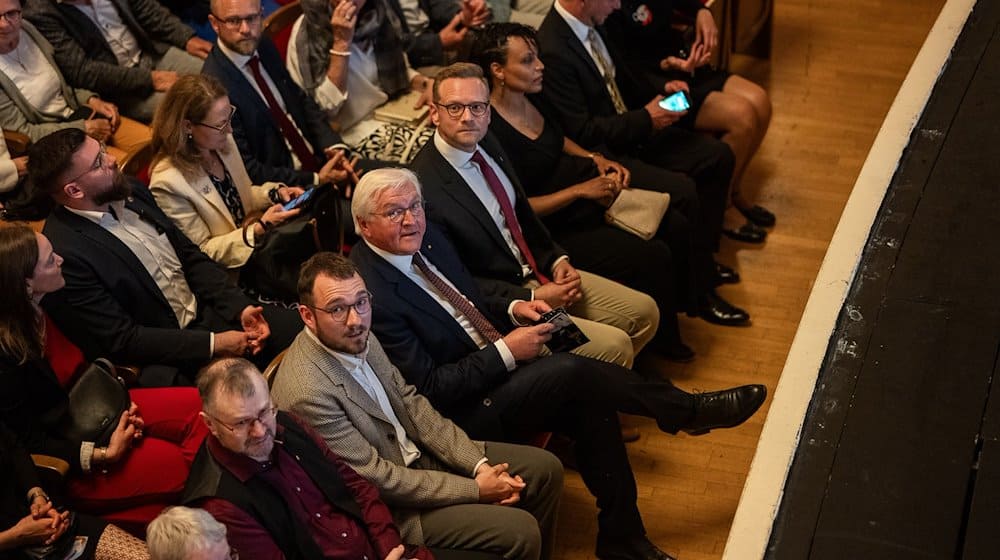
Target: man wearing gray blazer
<point>445,490</point>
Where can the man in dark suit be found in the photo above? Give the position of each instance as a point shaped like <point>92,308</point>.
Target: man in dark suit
<point>128,51</point>
<point>599,103</point>
<point>463,351</point>
<point>483,209</point>
<point>281,133</point>
<point>137,290</point>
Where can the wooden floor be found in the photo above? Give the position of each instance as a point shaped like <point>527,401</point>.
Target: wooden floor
<point>835,70</point>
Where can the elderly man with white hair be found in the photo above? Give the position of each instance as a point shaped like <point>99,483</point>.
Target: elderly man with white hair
<point>183,533</point>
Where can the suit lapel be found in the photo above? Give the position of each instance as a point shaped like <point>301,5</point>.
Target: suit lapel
<point>114,246</point>
<point>206,189</point>
<point>247,94</point>
<point>576,45</point>
<point>456,188</point>
<point>335,372</point>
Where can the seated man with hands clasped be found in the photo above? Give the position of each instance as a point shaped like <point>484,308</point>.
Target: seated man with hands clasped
<point>445,489</point>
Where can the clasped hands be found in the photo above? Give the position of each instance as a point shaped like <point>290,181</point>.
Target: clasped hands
<point>249,341</point>
<point>497,485</point>
<point>44,525</point>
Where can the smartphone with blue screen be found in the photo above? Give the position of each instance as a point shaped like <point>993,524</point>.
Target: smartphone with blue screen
<point>677,102</point>
<point>299,200</point>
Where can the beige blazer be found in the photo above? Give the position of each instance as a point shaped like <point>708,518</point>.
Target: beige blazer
<point>314,385</point>
<point>199,211</point>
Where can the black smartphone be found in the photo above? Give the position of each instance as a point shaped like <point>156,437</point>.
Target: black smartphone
<point>677,102</point>
<point>299,200</point>
<point>567,335</point>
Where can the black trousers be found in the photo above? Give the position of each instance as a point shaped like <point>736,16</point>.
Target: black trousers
<point>579,397</point>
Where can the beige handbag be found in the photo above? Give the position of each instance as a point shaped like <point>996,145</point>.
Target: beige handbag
<point>638,211</point>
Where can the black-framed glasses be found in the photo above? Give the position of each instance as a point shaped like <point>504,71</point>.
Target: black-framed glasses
<point>98,164</point>
<point>340,311</point>
<point>222,127</point>
<point>455,110</point>
<point>396,214</point>
<point>242,428</point>
<point>235,22</point>
<point>12,16</point>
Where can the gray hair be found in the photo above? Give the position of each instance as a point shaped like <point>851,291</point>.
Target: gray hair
<point>233,376</point>
<point>373,184</point>
<point>179,532</point>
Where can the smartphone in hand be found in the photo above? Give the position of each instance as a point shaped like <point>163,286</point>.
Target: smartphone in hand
<point>677,102</point>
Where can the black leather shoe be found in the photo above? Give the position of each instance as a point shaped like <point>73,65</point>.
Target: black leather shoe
<point>725,275</point>
<point>758,215</point>
<point>725,409</point>
<point>714,309</point>
<point>678,352</point>
<point>747,233</point>
<point>638,548</point>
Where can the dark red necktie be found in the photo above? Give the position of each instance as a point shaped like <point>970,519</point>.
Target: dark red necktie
<point>458,301</point>
<point>298,144</point>
<point>508,213</point>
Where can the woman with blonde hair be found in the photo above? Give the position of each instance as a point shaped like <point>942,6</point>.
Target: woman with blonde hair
<point>199,179</point>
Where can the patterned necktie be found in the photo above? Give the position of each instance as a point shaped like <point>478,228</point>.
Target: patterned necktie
<point>458,301</point>
<point>607,70</point>
<point>508,213</point>
<point>295,140</point>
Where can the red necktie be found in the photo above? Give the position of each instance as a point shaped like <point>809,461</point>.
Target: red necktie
<point>508,213</point>
<point>458,301</point>
<point>299,146</point>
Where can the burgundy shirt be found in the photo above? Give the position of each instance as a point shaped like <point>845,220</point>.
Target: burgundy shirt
<point>337,534</point>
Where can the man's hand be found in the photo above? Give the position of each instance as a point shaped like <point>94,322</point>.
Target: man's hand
<point>558,295</point>
<point>231,343</point>
<point>256,328</point>
<point>339,171</point>
<point>661,117</point>
<point>474,13</point>
<point>451,36</point>
<point>107,109</point>
<point>517,483</point>
<point>196,46</point>
<point>495,485</point>
<point>163,80</point>
<point>97,128</point>
<point>564,273</point>
<point>609,167</point>
<point>525,343</point>
<point>530,312</point>
<point>343,20</point>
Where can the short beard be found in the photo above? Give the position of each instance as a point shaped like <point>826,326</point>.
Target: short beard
<point>120,189</point>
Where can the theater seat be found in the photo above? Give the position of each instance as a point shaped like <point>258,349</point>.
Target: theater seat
<point>278,26</point>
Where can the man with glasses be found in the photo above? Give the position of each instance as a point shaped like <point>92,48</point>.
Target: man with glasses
<point>128,51</point>
<point>445,490</point>
<point>137,290</point>
<point>476,198</point>
<point>276,486</point>
<point>281,132</point>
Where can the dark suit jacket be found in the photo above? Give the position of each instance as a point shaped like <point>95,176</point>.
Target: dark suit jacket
<point>575,88</point>
<point>258,137</point>
<point>85,57</point>
<point>429,347</point>
<point>454,207</point>
<point>112,308</point>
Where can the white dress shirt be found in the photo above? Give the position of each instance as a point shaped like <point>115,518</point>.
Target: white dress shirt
<point>105,16</point>
<point>35,77</point>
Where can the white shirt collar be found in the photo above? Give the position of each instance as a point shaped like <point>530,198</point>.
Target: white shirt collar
<point>578,28</point>
<point>240,60</point>
<point>403,263</point>
<point>351,362</point>
<point>457,158</point>
<point>100,216</point>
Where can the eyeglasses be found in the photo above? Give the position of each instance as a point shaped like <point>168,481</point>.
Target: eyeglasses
<point>340,311</point>
<point>455,110</point>
<point>396,214</point>
<point>235,22</point>
<point>221,128</point>
<point>242,428</point>
<point>12,16</point>
<point>97,165</point>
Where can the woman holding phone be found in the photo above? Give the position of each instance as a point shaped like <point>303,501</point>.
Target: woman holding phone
<point>199,179</point>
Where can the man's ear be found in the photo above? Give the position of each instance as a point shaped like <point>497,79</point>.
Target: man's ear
<point>208,423</point>
<point>73,191</point>
<point>435,114</point>
<point>308,317</point>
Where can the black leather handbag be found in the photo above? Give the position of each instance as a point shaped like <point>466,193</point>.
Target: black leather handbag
<point>96,403</point>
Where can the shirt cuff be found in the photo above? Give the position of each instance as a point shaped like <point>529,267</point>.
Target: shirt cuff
<point>510,312</point>
<point>506,355</point>
<point>555,264</point>
<point>211,344</point>
<point>86,455</point>
<point>475,469</point>
<point>329,97</point>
